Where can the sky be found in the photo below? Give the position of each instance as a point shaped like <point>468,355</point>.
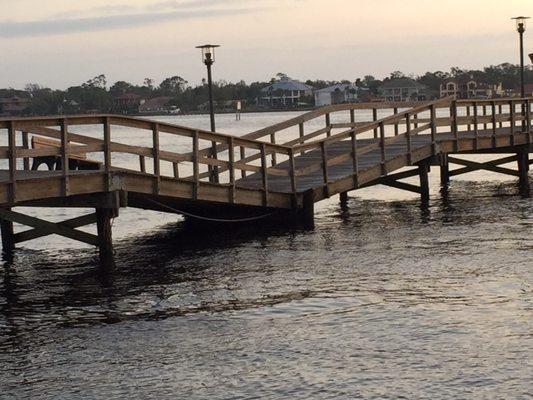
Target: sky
<point>61,43</point>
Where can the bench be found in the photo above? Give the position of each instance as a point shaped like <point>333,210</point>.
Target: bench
<point>75,161</point>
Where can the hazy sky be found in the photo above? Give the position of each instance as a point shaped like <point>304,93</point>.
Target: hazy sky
<point>60,43</point>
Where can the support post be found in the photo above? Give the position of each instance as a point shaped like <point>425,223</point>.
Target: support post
<point>105,239</point>
<point>522,158</point>
<point>8,237</point>
<point>343,198</point>
<point>444,169</point>
<point>307,212</point>
<point>423,169</point>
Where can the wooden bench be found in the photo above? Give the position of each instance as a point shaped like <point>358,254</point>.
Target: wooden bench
<point>75,161</point>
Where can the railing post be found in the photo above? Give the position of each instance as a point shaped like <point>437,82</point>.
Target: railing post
<point>65,167</point>
<point>396,128</point>
<point>242,154</point>
<point>512,121</point>
<point>12,161</point>
<point>264,174</point>
<point>176,169</point>
<point>528,121</point>
<point>157,162</point>
<point>273,141</point>
<point>293,178</point>
<point>374,119</point>
<point>433,129</point>
<point>352,116</point>
<point>26,145</point>
<point>214,169</point>
<point>325,177</point>
<point>107,152</point>
<point>142,163</point>
<point>354,159</point>
<point>231,168</point>
<point>195,165</point>
<point>328,125</point>
<point>301,130</point>
<point>500,112</point>
<point>408,138</point>
<point>485,114</point>
<point>493,110</point>
<point>382,146</point>
<point>476,123</point>
<point>455,126</point>
<point>469,125</point>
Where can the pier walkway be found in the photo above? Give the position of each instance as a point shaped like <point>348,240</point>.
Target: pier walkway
<point>281,170</point>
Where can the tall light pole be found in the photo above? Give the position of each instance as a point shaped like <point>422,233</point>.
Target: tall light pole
<point>208,57</point>
<point>521,28</point>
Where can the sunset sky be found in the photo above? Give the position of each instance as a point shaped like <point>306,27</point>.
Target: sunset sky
<point>60,43</point>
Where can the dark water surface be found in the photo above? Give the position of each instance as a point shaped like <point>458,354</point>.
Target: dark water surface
<point>384,299</point>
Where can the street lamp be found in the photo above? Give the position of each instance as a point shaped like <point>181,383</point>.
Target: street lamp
<point>208,58</point>
<point>521,28</point>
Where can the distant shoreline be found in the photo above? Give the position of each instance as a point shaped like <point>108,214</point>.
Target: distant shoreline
<point>219,112</point>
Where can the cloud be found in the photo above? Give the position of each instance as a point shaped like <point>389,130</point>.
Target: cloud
<point>59,26</point>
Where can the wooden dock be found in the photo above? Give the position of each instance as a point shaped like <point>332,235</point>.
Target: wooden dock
<point>279,170</point>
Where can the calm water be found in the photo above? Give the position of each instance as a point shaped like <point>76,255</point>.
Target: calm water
<point>384,299</point>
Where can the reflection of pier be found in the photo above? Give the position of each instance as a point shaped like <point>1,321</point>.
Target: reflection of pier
<point>281,170</point>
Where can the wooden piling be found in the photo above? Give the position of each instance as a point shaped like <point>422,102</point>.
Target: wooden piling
<point>423,169</point>
<point>8,237</point>
<point>104,217</point>
<point>343,198</point>
<point>522,158</point>
<point>444,169</point>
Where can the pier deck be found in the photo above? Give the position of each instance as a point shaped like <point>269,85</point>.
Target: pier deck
<point>282,168</point>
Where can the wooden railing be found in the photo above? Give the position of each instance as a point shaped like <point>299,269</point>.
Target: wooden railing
<point>223,159</point>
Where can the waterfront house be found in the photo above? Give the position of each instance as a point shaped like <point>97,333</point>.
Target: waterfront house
<point>14,106</point>
<point>339,93</point>
<point>466,87</point>
<point>285,92</point>
<point>127,103</point>
<point>403,89</point>
<point>155,105</point>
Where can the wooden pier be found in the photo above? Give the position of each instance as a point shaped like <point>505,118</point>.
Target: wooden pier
<point>279,170</point>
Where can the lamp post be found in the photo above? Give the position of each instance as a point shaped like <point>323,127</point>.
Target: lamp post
<point>521,28</point>
<point>208,58</point>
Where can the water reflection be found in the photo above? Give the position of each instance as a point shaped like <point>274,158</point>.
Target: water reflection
<point>378,287</point>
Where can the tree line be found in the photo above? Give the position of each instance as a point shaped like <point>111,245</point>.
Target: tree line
<point>95,95</point>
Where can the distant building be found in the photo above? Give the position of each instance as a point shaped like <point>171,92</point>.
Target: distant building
<point>127,103</point>
<point>339,93</point>
<point>14,106</point>
<point>284,92</point>
<point>466,87</point>
<point>155,105</point>
<point>403,89</point>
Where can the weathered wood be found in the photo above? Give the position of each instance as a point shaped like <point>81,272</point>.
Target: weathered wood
<point>156,157</point>
<point>231,157</point>
<point>374,119</point>
<point>522,158</point>
<point>104,217</point>
<point>26,145</point>
<point>444,169</point>
<point>325,178</point>
<point>49,227</point>
<point>264,174</point>
<point>70,223</point>
<point>382,148</point>
<point>470,166</point>
<point>196,165</point>
<point>423,169</point>
<point>12,162</point>
<point>8,237</point>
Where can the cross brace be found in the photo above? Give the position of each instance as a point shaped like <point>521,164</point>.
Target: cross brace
<point>392,180</point>
<point>44,228</point>
<point>493,165</point>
